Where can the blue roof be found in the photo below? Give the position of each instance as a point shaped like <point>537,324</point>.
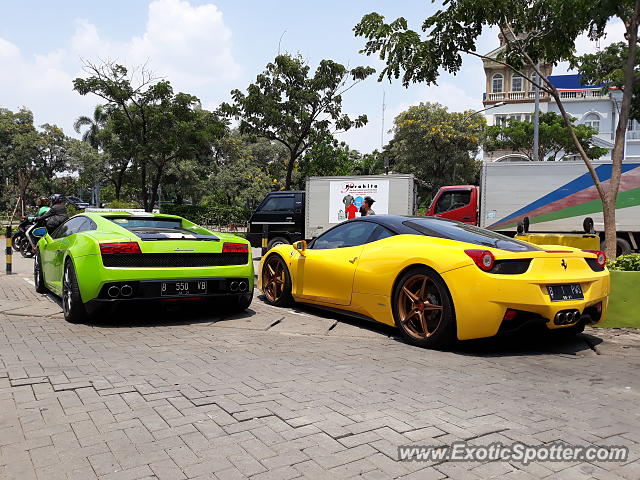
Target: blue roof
<point>570,82</point>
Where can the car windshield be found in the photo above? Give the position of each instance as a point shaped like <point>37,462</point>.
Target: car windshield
<point>462,232</point>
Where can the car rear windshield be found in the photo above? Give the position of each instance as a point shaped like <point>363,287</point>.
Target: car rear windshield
<point>462,232</point>
<point>162,223</point>
<point>153,228</point>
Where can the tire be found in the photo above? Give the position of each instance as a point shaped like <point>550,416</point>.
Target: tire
<point>275,241</point>
<point>38,277</point>
<point>26,250</point>
<point>276,282</point>
<point>421,298</point>
<point>72,306</point>
<point>622,247</point>
<point>17,240</point>
<point>240,303</point>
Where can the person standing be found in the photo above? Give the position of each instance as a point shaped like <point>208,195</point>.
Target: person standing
<point>366,209</point>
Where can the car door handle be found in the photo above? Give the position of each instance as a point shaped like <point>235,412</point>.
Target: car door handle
<point>353,260</point>
<point>466,218</point>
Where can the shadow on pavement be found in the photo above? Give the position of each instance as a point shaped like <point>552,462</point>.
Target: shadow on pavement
<point>529,342</point>
<point>160,314</point>
<point>532,341</point>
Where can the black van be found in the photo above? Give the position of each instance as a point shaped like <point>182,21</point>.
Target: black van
<point>283,214</point>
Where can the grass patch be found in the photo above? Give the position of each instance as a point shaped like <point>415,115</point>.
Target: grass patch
<point>624,301</point>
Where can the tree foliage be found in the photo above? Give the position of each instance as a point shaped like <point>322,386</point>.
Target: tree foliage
<point>287,105</point>
<point>437,146</point>
<point>156,126</point>
<point>30,156</point>
<point>607,68</point>
<point>555,143</point>
<point>534,31</point>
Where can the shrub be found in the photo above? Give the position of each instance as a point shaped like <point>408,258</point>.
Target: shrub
<point>71,210</point>
<point>209,215</point>
<point>626,263</point>
<point>121,204</point>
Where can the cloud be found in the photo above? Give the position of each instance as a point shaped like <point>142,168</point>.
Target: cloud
<point>189,45</point>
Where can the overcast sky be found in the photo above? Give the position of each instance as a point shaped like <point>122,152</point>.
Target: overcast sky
<point>207,48</point>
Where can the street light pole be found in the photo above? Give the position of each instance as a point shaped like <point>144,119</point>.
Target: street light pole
<point>536,120</point>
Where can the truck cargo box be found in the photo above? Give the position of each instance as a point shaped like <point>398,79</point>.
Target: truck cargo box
<point>331,200</point>
<point>555,196</point>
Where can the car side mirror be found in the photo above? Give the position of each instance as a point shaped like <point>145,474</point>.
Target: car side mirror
<point>300,246</point>
<point>39,232</point>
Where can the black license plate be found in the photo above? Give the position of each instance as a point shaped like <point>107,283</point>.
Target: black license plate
<point>570,291</point>
<point>185,287</point>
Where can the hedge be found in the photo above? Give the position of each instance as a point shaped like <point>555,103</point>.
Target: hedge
<point>625,263</point>
<point>209,216</point>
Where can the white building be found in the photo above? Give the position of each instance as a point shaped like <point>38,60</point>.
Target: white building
<point>586,103</point>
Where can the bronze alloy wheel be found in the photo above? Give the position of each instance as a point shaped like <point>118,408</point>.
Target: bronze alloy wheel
<point>275,281</point>
<point>420,306</point>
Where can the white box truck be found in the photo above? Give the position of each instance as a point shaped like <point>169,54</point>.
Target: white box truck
<point>555,197</point>
<point>289,216</point>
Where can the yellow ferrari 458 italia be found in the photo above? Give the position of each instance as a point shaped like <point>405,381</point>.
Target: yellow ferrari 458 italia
<point>438,279</point>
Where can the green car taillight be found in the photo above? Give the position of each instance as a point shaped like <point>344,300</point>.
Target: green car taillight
<point>235,248</point>
<point>119,247</point>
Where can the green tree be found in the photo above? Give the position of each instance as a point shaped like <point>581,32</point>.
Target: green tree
<point>87,162</point>
<point>607,67</point>
<point>554,139</point>
<point>369,164</point>
<point>327,158</point>
<point>52,154</point>
<point>154,126</point>
<point>238,178</point>
<point>18,154</point>
<point>286,105</point>
<point>437,146</point>
<point>535,31</point>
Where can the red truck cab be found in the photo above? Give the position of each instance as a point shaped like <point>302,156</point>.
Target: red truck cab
<point>457,202</point>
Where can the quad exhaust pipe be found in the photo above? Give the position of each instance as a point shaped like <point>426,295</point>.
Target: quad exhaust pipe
<point>567,317</point>
<point>113,292</point>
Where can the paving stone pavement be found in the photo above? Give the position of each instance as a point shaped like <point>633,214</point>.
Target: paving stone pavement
<point>294,393</point>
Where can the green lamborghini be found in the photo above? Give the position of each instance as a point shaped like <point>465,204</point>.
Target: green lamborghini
<point>101,258</point>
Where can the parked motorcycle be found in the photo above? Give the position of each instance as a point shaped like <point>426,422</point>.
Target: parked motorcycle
<point>33,233</point>
<point>20,235</point>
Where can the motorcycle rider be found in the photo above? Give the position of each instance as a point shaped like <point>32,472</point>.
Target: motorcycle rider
<point>43,207</point>
<point>56,215</point>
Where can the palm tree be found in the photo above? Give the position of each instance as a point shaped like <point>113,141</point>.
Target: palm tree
<point>92,136</point>
<point>95,124</point>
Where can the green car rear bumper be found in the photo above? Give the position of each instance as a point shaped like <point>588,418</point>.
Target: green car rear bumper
<point>95,281</point>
